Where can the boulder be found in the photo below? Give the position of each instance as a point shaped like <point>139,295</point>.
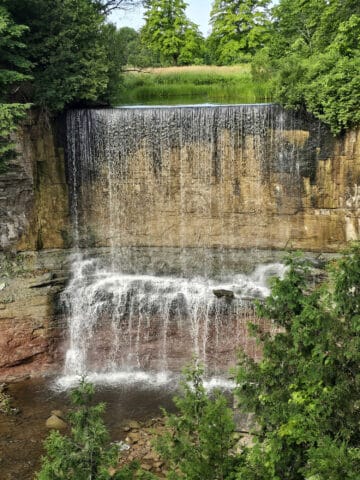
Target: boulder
<point>55,423</point>
<point>134,425</point>
<point>222,293</point>
<point>58,413</point>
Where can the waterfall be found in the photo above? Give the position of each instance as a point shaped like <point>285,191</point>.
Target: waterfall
<point>165,204</point>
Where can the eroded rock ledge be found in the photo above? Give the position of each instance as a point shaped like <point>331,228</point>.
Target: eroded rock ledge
<point>31,322</point>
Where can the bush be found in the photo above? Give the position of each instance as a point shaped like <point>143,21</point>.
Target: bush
<point>199,438</point>
<point>305,391</point>
<point>86,453</point>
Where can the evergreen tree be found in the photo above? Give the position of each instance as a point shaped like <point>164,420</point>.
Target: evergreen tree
<point>85,454</point>
<point>305,391</point>
<point>82,455</point>
<point>239,29</point>
<point>65,43</point>
<point>168,31</point>
<point>13,71</point>
<point>199,438</point>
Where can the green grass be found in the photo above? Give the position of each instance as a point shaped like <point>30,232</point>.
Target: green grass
<point>192,85</point>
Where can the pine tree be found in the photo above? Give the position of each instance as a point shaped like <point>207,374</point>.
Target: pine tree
<point>305,391</point>
<point>86,453</point>
<point>199,438</point>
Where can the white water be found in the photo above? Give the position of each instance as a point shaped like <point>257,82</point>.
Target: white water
<point>134,310</point>
<point>139,314</point>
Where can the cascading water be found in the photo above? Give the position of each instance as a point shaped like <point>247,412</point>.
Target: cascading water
<point>151,322</point>
<point>158,201</point>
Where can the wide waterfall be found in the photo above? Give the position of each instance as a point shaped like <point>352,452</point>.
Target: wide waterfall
<point>170,210</point>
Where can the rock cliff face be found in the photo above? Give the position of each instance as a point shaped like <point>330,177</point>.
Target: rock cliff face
<point>230,177</point>
<point>34,216</point>
<point>223,189</point>
<point>30,317</point>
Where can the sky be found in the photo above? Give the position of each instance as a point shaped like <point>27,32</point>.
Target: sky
<point>198,11</point>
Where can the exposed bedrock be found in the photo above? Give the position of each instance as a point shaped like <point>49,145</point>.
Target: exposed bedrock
<point>190,191</point>
<point>31,323</point>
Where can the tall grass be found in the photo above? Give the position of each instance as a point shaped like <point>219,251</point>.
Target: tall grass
<point>193,85</point>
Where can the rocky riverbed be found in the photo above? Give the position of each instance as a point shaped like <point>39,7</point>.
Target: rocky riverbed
<point>22,434</point>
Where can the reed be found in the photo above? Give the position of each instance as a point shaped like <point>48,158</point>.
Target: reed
<point>193,84</point>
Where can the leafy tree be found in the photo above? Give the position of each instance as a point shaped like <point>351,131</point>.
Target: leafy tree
<point>194,50</point>
<point>118,45</point>
<point>305,390</point>
<point>314,56</point>
<point>168,31</point>
<point>127,40</point>
<point>14,70</point>
<point>199,438</point>
<point>66,46</point>
<point>239,29</point>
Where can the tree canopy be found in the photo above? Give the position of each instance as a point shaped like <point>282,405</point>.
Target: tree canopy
<point>314,56</point>
<point>239,29</point>
<point>14,70</point>
<point>170,33</point>
<point>65,45</point>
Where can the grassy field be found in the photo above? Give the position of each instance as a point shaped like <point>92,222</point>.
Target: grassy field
<point>193,84</point>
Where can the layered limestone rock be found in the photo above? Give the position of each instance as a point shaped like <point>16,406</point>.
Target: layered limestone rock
<point>34,215</point>
<point>34,212</point>
<point>30,323</point>
<point>224,191</point>
<point>249,184</point>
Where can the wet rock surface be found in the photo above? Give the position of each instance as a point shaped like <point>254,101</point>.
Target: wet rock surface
<point>31,326</point>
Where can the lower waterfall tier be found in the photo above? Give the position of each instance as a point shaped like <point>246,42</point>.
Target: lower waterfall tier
<point>132,322</point>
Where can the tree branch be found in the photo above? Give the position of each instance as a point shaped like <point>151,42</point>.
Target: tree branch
<point>107,6</point>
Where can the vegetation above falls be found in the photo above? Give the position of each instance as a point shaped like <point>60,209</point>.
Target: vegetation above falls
<point>303,394</point>
<point>193,84</point>
<point>61,53</point>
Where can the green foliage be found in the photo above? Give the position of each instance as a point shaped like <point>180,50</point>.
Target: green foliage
<point>198,441</point>
<point>305,390</point>
<point>193,51</point>
<point>168,32</point>
<point>12,60</point>
<point>239,29</point>
<point>14,66</point>
<point>65,44</point>
<point>85,454</point>
<point>10,114</point>
<point>118,45</point>
<point>314,55</point>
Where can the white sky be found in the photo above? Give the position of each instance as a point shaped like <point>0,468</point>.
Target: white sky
<point>198,11</point>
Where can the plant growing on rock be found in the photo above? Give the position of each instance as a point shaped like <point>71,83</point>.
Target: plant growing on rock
<point>6,401</point>
<point>13,71</point>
